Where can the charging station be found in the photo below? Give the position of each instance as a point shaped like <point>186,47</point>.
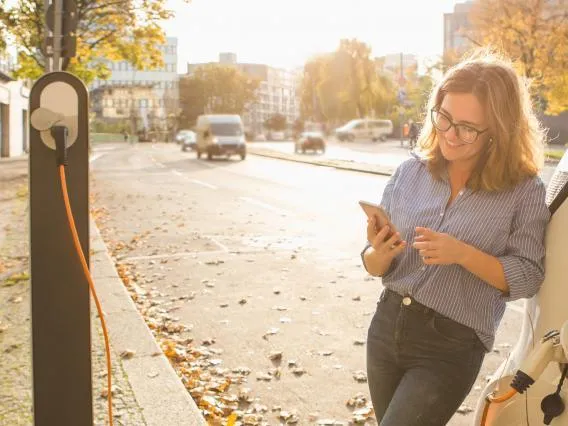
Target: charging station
<point>62,388</point>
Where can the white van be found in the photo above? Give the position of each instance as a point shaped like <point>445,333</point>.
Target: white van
<point>220,134</point>
<point>365,128</point>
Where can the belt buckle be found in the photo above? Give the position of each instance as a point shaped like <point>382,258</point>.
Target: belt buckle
<point>406,301</point>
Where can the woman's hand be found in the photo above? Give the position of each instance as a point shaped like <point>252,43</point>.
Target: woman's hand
<point>437,248</point>
<point>386,242</point>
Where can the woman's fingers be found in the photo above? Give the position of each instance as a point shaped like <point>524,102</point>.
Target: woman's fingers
<point>371,229</point>
<point>393,240</point>
<point>381,237</point>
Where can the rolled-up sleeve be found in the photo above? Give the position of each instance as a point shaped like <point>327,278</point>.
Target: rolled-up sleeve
<point>523,261</point>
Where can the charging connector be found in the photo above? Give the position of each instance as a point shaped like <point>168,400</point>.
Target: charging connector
<point>60,135</point>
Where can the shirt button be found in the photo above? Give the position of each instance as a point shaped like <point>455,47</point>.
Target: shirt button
<point>442,214</point>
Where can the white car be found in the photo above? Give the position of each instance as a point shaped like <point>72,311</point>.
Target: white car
<point>277,136</point>
<point>366,129</point>
<point>180,136</point>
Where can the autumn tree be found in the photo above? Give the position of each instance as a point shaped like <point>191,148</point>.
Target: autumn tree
<point>341,85</point>
<point>534,33</point>
<point>276,122</point>
<point>114,30</point>
<point>192,100</point>
<point>216,89</point>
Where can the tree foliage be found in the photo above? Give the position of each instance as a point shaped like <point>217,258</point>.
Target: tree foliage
<point>276,122</point>
<point>348,83</point>
<point>534,33</point>
<point>116,30</point>
<point>215,89</point>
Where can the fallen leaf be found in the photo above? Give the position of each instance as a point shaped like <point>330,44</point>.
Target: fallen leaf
<point>360,376</point>
<point>275,356</point>
<point>359,342</point>
<point>264,376</point>
<point>299,371</point>
<point>127,354</point>
<point>464,409</point>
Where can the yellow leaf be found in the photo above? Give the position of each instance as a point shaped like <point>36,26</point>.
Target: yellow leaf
<point>232,419</point>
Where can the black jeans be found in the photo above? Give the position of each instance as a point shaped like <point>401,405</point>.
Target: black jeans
<point>420,365</point>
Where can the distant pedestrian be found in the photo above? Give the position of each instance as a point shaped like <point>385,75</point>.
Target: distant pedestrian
<point>125,135</point>
<point>413,134</point>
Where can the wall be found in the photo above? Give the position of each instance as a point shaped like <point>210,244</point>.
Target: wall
<point>15,97</point>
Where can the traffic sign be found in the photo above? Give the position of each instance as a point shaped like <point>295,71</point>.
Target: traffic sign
<point>69,15</point>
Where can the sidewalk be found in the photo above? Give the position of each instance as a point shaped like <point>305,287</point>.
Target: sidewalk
<point>146,389</point>
<point>366,158</point>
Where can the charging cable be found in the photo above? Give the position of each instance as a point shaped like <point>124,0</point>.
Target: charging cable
<point>59,133</point>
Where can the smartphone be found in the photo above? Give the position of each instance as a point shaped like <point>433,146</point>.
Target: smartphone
<point>372,209</point>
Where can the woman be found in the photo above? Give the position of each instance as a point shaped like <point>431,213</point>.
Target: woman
<point>468,224</point>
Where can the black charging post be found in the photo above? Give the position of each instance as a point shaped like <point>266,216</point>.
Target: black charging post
<point>61,339</point>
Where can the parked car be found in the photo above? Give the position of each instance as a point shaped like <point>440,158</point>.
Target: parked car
<point>366,129</point>
<point>310,141</point>
<point>220,134</point>
<point>181,134</point>
<point>189,141</point>
<point>278,136</point>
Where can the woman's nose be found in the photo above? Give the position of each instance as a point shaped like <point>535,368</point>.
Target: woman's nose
<point>451,134</point>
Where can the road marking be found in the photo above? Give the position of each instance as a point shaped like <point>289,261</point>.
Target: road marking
<point>220,244</point>
<point>205,184</point>
<point>264,205</point>
<point>96,156</point>
<point>157,163</point>
<point>104,148</point>
<point>168,255</point>
<point>197,182</point>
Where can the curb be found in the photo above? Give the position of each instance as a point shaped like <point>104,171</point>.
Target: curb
<point>156,386</point>
<point>335,163</point>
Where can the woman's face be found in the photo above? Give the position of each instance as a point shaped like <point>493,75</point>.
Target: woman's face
<point>462,109</point>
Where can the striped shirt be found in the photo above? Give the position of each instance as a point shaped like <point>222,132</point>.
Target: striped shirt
<point>509,225</point>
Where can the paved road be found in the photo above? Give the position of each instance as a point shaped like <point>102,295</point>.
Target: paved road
<point>284,237</point>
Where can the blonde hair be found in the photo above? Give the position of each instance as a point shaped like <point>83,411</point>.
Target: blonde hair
<point>514,149</point>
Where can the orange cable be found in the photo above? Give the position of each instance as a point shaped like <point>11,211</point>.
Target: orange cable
<point>91,285</point>
<point>489,399</point>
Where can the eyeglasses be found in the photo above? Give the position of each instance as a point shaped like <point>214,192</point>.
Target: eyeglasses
<point>464,132</point>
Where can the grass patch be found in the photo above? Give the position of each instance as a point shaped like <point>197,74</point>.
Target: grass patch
<point>555,154</point>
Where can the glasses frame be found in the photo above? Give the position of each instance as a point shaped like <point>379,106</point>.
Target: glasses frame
<point>454,125</point>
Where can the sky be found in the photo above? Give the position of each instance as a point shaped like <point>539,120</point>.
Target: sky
<point>286,33</point>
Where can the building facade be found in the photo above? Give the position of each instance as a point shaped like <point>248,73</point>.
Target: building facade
<point>14,117</point>
<point>455,25</point>
<point>276,93</point>
<point>162,100</point>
